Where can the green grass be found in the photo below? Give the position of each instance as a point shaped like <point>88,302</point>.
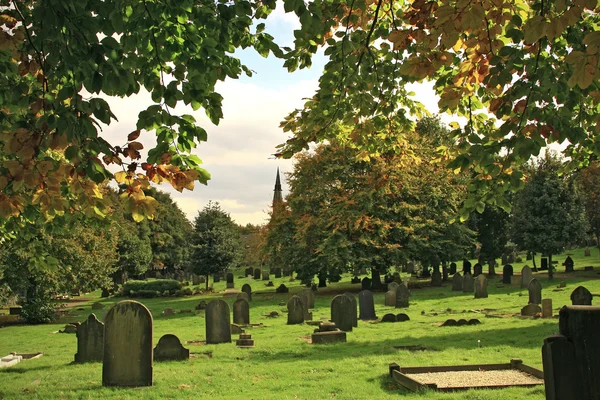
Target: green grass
<point>283,366</point>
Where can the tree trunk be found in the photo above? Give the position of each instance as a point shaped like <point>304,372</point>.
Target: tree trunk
<point>550,267</point>
<point>207,282</point>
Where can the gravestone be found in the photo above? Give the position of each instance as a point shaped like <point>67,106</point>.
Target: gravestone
<point>457,282</point>
<point>402,295</point>
<point>581,297</point>
<point>201,305</point>
<point>375,279</point>
<point>342,312</point>
<point>247,289</point>
<point>277,272</point>
<point>546,308</point>
<point>507,273</point>
<point>366,284</point>
<point>436,277</point>
<point>526,277</point>
<point>218,322</point>
<point>257,274</point>
<point>587,253</point>
<point>402,317</point>
<point>216,278</point>
<point>282,289</point>
<point>127,359</point>
<point>466,267</point>
<point>477,270</point>
<point>481,284</point>
<point>242,295</point>
<point>571,360</point>
<point>169,348</point>
<point>265,275</point>
<point>531,310</point>
<point>569,264</point>
<point>241,312</point>
<point>388,318</point>
<point>366,305</point>
<point>308,298</point>
<point>444,273</point>
<point>295,311</point>
<point>410,267</point>
<point>354,308</point>
<point>229,278</point>
<point>544,263</point>
<point>467,285</point>
<point>90,340</point>
<point>328,333</point>
<point>535,292</point>
<point>248,272</point>
<point>390,298</point>
<point>393,286</point>
<point>452,268</point>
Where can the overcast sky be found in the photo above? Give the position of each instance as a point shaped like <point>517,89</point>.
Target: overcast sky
<point>239,150</point>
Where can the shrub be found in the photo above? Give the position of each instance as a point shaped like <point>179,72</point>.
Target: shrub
<point>184,292</point>
<point>38,310</point>
<point>151,288</point>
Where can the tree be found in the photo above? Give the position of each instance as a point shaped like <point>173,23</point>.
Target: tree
<point>216,245</point>
<point>492,227</point>
<point>588,181</point>
<point>548,213</point>
<point>52,55</point>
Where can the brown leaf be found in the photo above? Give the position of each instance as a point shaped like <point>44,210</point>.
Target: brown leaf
<point>133,135</point>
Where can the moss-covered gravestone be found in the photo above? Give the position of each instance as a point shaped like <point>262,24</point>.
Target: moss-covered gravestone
<point>169,348</point>
<point>467,285</point>
<point>535,292</point>
<point>257,274</point>
<point>507,273</point>
<point>457,281</point>
<point>127,345</point>
<point>90,340</point>
<point>230,282</point>
<point>354,308</point>
<point>218,322</point>
<point>247,289</point>
<point>243,295</point>
<point>402,295</point>
<point>581,297</point>
<point>481,284</point>
<point>526,276</point>
<point>295,311</point>
<point>366,305</point>
<point>308,298</point>
<point>390,298</point>
<point>241,312</point>
<point>342,312</point>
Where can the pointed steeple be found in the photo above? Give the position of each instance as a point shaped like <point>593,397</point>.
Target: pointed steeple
<point>277,192</point>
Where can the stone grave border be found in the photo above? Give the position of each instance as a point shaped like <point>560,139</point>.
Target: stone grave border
<point>398,375</point>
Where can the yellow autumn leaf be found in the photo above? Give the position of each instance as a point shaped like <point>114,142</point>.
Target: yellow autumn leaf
<point>120,176</point>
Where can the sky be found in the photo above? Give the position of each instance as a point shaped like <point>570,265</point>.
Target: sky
<point>239,151</point>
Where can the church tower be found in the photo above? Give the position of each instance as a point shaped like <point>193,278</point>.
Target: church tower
<point>277,192</point>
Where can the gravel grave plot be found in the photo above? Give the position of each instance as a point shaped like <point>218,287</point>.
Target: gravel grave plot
<point>476,378</point>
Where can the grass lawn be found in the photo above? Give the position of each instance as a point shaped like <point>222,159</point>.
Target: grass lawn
<point>283,366</point>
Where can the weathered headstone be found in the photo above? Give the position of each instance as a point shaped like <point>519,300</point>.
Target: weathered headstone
<point>366,305</point>
<point>571,359</point>
<point>354,308</point>
<point>581,297</point>
<point>366,284</point>
<point>457,281</point>
<point>229,278</point>
<point>282,289</point>
<point>507,273</point>
<point>466,267</point>
<point>257,274</point>
<point>242,295</point>
<point>526,277</point>
<point>90,340</point>
<point>342,312</point>
<point>265,275</point>
<point>402,317</point>
<point>544,264</point>
<point>436,277</point>
<point>308,298</point>
<point>402,295</point>
<point>247,289</point>
<point>569,264</point>
<point>535,292</point>
<point>127,359</point>
<point>390,298</point>
<point>241,312</point>
<point>481,284</point>
<point>477,270</point>
<point>169,348</point>
<point>248,272</point>
<point>328,333</point>
<point>388,318</point>
<point>467,285</point>
<point>410,267</point>
<point>218,321</point>
<point>295,311</point>
<point>531,310</point>
<point>452,268</point>
<point>546,308</point>
<point>393,286</point>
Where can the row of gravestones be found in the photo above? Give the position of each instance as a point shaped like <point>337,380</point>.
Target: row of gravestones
<point>397,295</point>
<point>259,274</point>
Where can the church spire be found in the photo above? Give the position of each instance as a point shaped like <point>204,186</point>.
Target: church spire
<point>277,193</point>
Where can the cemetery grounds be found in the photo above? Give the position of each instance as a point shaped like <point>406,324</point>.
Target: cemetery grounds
<point>282,365</point>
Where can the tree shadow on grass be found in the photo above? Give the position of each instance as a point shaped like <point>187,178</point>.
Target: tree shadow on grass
<point>21,370</point>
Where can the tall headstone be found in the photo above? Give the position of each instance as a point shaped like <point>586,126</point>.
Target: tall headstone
<point>265,275</point>
<point>295,311</point>
<point>169,348</point>
<point>571,359</point>
<point>308,298</point>
<point>569,264</point>
<point>127,359</point>
<point>544,262</point>
<point>457,281</point>
<point>580,297</point>
<point>452,268</point>
<point>535,292</point>
<point>477,270</point>
<point>390,298</point>
<point>507,273</point>
<point>366,284</point>
<point>467,285</point>
<point>354,308</point>
<point>402,295</point>
<point>466,267</point>
<point>230,283</point>
<point>342,311</point>
<point>241,312</point>
<point>366,305</point>
<point>375,279</point>
<point>546,308</point>
<point>90,340</point>
<point>257,274</point>
<point>218,322</point>
<point>481,284</point>
<point>526,277</point>
<point>247,289</point>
